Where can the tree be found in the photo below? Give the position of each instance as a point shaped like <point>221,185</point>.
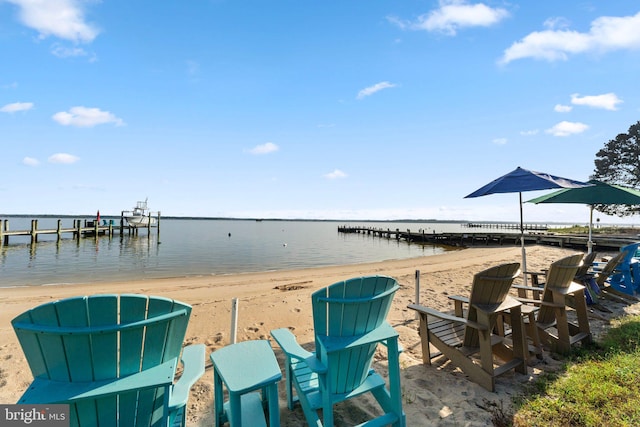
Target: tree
<point>619,163</point>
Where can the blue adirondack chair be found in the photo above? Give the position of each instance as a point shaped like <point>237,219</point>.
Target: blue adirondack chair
<point>111,358</point>
<point>349,323</point>
<point>626,278</point>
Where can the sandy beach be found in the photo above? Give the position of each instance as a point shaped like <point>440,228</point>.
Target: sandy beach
<point>433,395</point>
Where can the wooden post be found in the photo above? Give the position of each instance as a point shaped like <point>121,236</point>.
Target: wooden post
<point>2,225</point>
<point>34,231</point>
<point>59,231</point>
<point>95,228</point>
<point>234,320</point>
<point>417,292</point>
<point>158,225</point>
<point>78,226</point>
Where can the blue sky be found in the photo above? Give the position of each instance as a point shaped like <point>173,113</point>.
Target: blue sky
<point>325,110</point>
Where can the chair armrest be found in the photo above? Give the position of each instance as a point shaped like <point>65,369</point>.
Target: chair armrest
<point>459,298</point>
<point>507,304</point>
<point>193,357</point>
<point>43,390</point>
<point>380,334</point>
<point>539,302</point>
<point>435,313</point>
<point>528,288</point>
<point>287,342</point>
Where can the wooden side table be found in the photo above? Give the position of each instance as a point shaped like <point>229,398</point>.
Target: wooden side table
<point>244,368</point>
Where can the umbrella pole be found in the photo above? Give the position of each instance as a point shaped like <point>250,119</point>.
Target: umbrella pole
<point>590,242</point>
<point>524,253</point>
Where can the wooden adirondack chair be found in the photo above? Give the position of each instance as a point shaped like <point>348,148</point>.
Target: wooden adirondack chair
<point>111,358</point>
<point>349,323</point>
<point>584,272</point>
<point>559,292</point>
<point>470,342</point>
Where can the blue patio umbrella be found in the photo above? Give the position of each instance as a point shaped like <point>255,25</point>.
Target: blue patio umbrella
<point>520,180</point>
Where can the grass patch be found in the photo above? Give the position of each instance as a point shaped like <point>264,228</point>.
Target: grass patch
<point>599,387</point>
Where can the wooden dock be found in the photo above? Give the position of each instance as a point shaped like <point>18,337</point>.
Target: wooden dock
<point>607,243</point>
<point>81,228</point>
<point>506,226</point>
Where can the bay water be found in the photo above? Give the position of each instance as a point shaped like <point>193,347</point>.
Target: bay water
<point>195,247</point>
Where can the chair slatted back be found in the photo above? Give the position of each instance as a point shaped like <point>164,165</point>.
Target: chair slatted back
<point>610,267</point>
<point>349,309</point>
<point>586,265</point>
<point>101,337</point>
<point>632,252</point>
<point>559,276</point>
<point>489,288</point>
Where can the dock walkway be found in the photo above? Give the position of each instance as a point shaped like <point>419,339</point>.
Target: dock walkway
<point>612,243</point>
<point>80,228</point>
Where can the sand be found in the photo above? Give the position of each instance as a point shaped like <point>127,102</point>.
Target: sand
<point>437,395</point>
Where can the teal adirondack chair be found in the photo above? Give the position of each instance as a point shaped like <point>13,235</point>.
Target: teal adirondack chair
<point>111,358</point>
<point>349,323</point>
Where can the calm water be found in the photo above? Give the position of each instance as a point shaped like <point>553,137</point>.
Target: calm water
<point>188,247</point>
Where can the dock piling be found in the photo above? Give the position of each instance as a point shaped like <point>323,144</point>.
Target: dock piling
<point>80,228</point>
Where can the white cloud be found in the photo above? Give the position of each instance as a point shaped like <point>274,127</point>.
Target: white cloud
<point>453,15</point>
<point>63,158</point>
<point>86,117</point>
<point>555,23</point>
<point>67,52</point>
<point>403,25</point>
<point>607,101</point>
<point>266,148</point>
<point>336,174</point>
<point>17,106</point>
<point>30,161</point>
<point>373,89</point>
<point>607,33</point>
<point>500,141</point>
<point>529,132</point>
<point>59,18</point>
<point>559,108</point>
<point>565,128</point>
